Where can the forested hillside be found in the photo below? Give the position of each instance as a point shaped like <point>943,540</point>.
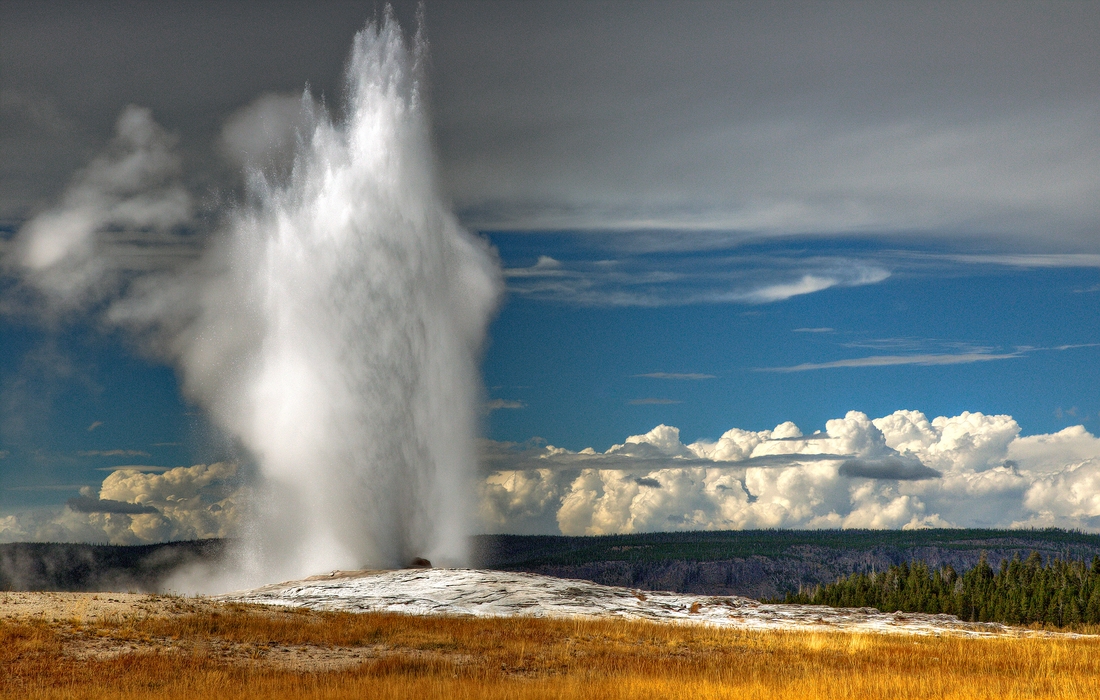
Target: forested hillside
<point>1060,592</point>
<point>66,566</point>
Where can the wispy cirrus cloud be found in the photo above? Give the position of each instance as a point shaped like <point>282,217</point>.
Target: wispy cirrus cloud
<point>613,270</point>
<point>1039,260</point>
<point>703,278</point>
<point>691,376</point>
<point>45,487</point>
<point>896,360</point>
<point>134,468</point>
<point>808,284</point>
<point>925,359</point>
<point>498,404</point>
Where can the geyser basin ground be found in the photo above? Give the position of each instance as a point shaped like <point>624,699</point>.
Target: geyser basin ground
<point>484,593</point>
<point>129,647</point>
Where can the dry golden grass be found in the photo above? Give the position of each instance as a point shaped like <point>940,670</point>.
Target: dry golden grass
<point>249,652</point>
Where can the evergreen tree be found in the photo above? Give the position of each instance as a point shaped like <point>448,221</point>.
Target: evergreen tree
<point>1060,592</point>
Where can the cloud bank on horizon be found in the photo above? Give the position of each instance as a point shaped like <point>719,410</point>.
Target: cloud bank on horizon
<point>135,507</point>
<point>897,471</point>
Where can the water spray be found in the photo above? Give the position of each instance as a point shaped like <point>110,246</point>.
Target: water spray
<point>340,333</point>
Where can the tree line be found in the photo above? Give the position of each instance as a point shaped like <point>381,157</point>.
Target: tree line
<point>1061,592</point>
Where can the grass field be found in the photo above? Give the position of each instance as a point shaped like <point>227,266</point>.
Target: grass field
<point>189,650</point>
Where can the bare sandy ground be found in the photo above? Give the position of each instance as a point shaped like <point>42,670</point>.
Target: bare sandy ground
<point>87,608</point>
<point>93,625</point>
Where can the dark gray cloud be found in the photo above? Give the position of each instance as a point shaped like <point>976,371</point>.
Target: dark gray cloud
<point>717,120</point>
<point>776,117</point>
<point>643,457</point>
<point>899,468</point>
<point>87,504</point>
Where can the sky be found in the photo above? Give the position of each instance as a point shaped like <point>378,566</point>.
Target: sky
<point>724,228</point>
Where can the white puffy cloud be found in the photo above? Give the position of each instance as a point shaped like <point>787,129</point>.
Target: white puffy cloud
<point>521,501</point>
<point>898,471</point>
<point>664,438</point>
<point>1050,452</point>
<point>185,503</point>
<point>1069,498</point>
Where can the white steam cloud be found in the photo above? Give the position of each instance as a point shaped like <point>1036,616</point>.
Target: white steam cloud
<point>898,471</point>
<point>333,326</point>
<point>123,213</point>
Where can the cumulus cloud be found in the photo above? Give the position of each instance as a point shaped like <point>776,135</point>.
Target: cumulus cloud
<point>522,501</point>
<point>132,507</point>
<point>898,471</point>
<point>1070,498</point>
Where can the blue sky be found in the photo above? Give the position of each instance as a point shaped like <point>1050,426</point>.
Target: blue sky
<point>579,370</point>
<point>575,374</point>
<point>708,215</point>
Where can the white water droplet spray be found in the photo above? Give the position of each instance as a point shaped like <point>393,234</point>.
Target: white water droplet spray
<point>340,334</point>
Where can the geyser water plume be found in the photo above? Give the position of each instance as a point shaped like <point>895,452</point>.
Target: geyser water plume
<point>339,331</point>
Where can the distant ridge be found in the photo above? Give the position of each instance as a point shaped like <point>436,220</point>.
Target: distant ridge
<point>57,566</point>
<point>753,563</point>
<point>764,563</point>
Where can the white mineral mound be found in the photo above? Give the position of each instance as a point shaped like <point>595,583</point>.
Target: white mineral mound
<point>482,593</point>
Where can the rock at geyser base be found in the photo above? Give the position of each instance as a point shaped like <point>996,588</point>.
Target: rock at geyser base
<point>486,593</point>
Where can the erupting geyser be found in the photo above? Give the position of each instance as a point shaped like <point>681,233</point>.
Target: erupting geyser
<point>339,332</point>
